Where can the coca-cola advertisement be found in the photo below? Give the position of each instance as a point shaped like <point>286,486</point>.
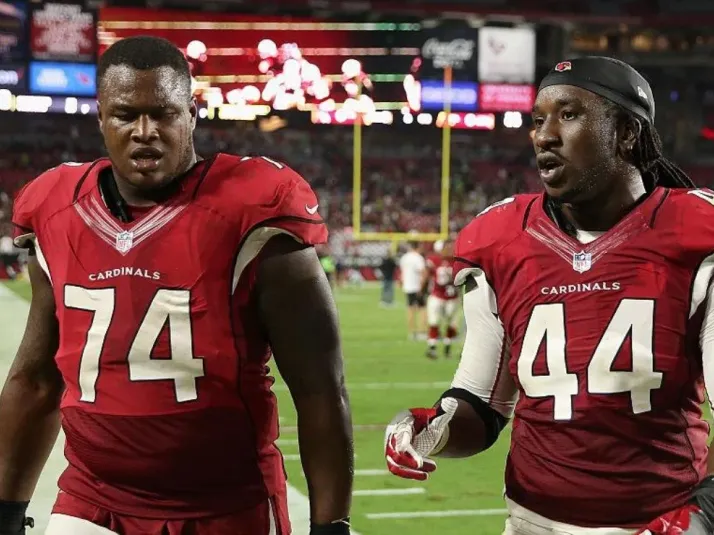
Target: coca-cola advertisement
<point>449,43</point>
<point>62,31</point>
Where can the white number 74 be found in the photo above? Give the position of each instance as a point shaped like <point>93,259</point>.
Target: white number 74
<point>168,305</point>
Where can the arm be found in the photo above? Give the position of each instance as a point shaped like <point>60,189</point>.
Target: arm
<point>482,385</point>
<point>470,415</point>
<point>300,318</point>
<point>706,342</point>
<point>425,275</point>
<point>29,403</point>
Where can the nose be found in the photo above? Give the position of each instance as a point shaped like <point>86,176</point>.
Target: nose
<point>547,135</point>
<point>145,130</point>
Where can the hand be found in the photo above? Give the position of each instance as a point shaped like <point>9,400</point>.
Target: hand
<point>413,436</point>
<point>687,520</point>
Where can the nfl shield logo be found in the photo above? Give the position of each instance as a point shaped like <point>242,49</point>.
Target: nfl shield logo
<point>125,241</point>
<point>582,261</point>
<point>563,66</point>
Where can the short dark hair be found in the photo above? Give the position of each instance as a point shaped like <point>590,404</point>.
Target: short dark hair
<point>648,156</point>
<point>144,52</point>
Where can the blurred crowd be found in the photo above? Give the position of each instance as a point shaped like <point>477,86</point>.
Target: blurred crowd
<point>401,166</point>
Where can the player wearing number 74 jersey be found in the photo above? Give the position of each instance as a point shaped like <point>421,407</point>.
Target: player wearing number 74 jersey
<point>589,309</point>
<point>162,284</point>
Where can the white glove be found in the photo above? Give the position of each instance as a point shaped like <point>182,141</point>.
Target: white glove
<point>414,436</point>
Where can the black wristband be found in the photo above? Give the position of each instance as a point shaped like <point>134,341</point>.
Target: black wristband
<point>340,527</point>
<point>12,516</point>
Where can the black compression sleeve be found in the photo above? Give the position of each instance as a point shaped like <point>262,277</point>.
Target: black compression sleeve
<point>493,421</point>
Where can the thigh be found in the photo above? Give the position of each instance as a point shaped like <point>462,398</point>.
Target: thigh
<point>450,308</point>
<point>433,310</point>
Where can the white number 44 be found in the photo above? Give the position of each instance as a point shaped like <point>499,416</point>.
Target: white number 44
<point>168,305</point>
<point>633,317</point>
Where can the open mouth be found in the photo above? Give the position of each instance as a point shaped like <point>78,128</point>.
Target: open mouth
<point>549,167</point>
<point>146,159</point>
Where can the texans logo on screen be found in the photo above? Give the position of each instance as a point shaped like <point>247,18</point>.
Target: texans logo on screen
<point>83,78</point>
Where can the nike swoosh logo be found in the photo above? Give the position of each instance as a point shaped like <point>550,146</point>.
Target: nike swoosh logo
<point>312,210</point>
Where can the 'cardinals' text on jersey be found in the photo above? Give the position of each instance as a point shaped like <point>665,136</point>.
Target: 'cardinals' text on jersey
<point>168,410</point>
<point>600,344</point>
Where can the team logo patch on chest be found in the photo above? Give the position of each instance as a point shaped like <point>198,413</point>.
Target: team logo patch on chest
<point>582,257</point>
<point>121,239</point>
<point>125,241</point>
<point>582,261</point>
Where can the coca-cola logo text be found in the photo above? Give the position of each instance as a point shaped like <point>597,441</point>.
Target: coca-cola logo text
<point>452,53</point>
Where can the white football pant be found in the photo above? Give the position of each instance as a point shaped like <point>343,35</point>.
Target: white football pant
<point>521,521</point>
<point>441,310</point>
<point>69,525</point>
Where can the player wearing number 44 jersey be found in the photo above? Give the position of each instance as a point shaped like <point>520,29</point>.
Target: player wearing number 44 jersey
<point>590,311</point>
<point>161,285</point>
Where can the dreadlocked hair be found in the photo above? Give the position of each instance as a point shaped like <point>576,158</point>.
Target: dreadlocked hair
<point>647,156</point>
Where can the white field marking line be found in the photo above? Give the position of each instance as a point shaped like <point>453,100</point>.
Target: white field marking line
<point>295,456</point>
<point>389,492</point>
<point>382,386</point>
<point>437,514</point>
<point>287,442</point>
<point>365,427</point>
<point>371,472</point>
<point>360,427</point>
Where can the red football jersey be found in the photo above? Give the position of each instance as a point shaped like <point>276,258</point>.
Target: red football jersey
<point>441,277</point>
<point>604,351</point>
<point>168,410</point>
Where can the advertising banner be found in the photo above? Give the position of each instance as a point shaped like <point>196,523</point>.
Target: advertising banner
<point>506,55</point>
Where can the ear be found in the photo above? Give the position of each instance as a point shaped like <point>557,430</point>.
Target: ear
<point>100,114</point>
<point>193,110</point>
<point>627,135</point>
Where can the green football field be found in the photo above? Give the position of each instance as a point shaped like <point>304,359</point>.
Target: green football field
<point>385,373</point>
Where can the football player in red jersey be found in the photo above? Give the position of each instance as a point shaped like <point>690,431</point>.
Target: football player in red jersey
<point>162,283</point>
<point>590,311</point>
<point>443,300</point>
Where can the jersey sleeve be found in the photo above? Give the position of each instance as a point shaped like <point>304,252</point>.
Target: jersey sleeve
<point>23,217</point>
<point>287,203</point>
<point>477,245</point>
<point>483,369</point>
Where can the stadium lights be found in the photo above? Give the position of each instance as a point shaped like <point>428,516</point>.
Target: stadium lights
<point>424,119</point>
<point>344,117</point>
<point>6,99</point>
<point>33,103</point>
<point>196,50</point>
<point>469,121</point>
<point>512,119</point>
<point>71,105</point>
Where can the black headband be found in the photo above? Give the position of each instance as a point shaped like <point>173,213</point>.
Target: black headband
<point>608,77</point>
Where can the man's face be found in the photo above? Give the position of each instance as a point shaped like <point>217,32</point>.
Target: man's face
<point>147,119</point>
<point>575,140</point>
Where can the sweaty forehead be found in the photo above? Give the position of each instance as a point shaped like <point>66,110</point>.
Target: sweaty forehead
<point>122,84</point>
<point>560,95</point>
